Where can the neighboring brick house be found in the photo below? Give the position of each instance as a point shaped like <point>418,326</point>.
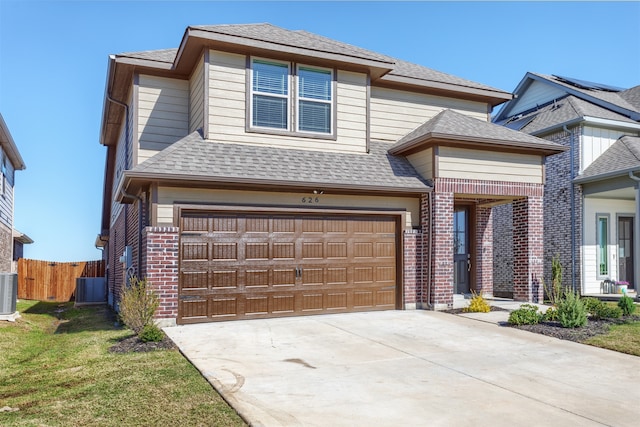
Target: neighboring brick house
<point>591,224</point>
<point>256,171</point>
<point>10,161</point>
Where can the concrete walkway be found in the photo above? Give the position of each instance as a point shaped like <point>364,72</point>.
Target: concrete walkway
<point>418,368</point>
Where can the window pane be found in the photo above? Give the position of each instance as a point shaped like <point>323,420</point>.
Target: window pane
<point>314,84</point>
<point>603,256</point>
<point>315,117</point>
<point>270,78</point>
<point>269,112</point>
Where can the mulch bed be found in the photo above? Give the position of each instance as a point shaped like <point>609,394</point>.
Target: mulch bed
<point>134,344</point>
<point>581,334</point>
<point>555,329</point>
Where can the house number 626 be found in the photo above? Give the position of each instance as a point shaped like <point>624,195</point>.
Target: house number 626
<point>311,200</point>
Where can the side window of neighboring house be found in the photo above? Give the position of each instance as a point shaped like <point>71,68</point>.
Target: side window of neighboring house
<point>298,103</point>
<point>602,240</point>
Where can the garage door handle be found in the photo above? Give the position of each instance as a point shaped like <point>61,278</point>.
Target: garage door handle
<point>298,271</point>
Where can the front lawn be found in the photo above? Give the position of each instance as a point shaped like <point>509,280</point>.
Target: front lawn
<point>624,338</point>
<point>56,370</point>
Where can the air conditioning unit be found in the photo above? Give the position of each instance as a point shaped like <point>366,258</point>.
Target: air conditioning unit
<point>91,290</point>
<point>8,293</point>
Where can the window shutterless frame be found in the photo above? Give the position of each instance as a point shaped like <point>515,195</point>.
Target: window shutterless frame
<point>310,99</point>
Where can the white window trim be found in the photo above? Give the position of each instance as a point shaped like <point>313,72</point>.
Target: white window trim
<point>292,125</point>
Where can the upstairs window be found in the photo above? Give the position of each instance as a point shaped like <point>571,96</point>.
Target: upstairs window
<point>270,93</point>
<point>314,100</point>
<point>283,101</point>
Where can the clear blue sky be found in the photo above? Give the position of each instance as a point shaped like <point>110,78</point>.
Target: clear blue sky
<point>53,62</point>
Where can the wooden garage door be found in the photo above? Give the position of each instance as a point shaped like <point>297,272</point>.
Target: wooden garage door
<point>239,266</point>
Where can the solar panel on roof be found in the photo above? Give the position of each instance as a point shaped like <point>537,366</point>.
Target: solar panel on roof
<point>584,84</point>
<point>518,124</point>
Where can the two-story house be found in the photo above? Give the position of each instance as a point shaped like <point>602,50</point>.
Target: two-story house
<point>10,161</point>
<point>591,193</point>
<point>256,171</point>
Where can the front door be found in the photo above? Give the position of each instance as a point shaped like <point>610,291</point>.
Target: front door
<point>461,252</point>
<point>625,249</point>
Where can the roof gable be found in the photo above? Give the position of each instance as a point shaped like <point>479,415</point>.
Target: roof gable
<point>618,101</point>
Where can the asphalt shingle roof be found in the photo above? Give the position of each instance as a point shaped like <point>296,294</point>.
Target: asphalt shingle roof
<point>163,55</point>
<point>563,110</point>
<point>314,42</point>
<point>622,156</point>
<point>603,95</point>
<point>451,124</point>
<point>196,157</point>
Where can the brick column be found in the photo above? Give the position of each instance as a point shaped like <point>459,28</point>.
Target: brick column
<point>442,251</point>
<point>412,268</point>
<point>484,251</point>
<point>528,222</point>
<point>160,267</point>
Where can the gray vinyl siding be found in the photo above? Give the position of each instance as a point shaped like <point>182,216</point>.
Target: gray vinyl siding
<point>537,94</point>
<point>162,113</point>
<point>395,113</point>
<point>196,98</point>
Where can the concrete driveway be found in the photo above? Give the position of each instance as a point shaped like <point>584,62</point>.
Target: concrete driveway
<point>417,368</point>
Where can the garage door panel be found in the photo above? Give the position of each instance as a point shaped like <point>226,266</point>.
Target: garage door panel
<point>242,266</point>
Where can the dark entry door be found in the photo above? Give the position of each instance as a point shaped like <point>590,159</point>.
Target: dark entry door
<point>625,249</point>
<point>461,252</point>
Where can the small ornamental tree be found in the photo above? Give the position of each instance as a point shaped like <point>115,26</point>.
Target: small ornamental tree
<point>138,303</point>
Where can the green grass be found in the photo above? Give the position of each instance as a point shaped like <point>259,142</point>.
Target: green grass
<point>55,368</point>
<point>624,338</point>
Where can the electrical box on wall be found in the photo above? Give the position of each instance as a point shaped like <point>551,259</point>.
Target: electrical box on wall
<point>126,257</point>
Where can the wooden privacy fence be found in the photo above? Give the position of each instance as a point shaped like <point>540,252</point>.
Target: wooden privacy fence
<point>53,281</point>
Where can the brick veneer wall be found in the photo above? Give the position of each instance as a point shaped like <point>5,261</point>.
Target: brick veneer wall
<point>558,230</point>
<point>160,267</point>
<point>412,268</point>
<point>442,251</point>
<point>484,251</point>
<point>528,240</point>
<point>503,251</point>
<point>116,248</point>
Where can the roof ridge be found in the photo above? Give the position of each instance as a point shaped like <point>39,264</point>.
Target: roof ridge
<point>627,141</point>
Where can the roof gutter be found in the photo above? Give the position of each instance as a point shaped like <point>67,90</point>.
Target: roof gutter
<point>10,147</point>
<point>273,185</point>
<point>613,174</point>
<point>588,120</point>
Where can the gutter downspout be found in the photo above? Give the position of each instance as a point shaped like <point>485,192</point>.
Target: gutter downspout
<point>636,233</point>
<point>573,207</point>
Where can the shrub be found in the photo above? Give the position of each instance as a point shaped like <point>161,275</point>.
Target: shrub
<point>151,333</point>
<point>556,291</point>
<point>138,303</point>
<point>551,314</point>
<point>571,311</point>
<point>478,305</point>
<point>626,305</point>
<point>609,312</point>
<point>593,306</point>
<point>527,314</point>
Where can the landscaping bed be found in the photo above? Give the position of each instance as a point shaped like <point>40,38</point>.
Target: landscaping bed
<point>591,329</point>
